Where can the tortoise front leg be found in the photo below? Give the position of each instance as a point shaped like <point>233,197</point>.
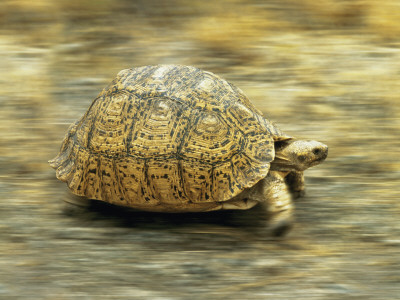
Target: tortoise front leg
<point>295,182</point>
<point>277,202</point>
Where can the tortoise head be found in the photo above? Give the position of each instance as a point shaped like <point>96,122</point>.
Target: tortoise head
<point>298,155</point>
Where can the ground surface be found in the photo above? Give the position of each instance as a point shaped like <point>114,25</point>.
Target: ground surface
<point>320,72</point>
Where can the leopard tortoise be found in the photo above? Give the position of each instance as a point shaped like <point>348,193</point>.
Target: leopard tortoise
<point>173,138</point>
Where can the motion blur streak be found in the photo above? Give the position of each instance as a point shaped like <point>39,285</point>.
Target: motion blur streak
<point>325,70</point>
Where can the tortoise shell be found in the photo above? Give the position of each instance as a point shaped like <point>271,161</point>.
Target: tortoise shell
<point>163,138</point>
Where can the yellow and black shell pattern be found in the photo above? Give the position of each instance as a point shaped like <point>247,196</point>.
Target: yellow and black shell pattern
<point>164,138</point>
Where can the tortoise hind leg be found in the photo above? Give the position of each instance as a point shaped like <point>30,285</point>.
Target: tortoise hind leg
<point>74,204</point>
<point>73,199</point>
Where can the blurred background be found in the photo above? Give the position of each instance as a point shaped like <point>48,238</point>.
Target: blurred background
<point>327,70</point>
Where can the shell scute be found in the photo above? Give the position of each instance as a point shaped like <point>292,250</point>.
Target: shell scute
<point>165,181</point>
<point>129,171</point>
<point>197,180</point>
<point>210,139</point>
<point>159,129</point>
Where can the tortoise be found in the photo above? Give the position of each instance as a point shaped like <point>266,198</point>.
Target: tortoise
<point>172,138</point>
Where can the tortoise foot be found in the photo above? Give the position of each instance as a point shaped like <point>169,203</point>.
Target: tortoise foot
<point>298,194</point>
<point>281,228</point>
